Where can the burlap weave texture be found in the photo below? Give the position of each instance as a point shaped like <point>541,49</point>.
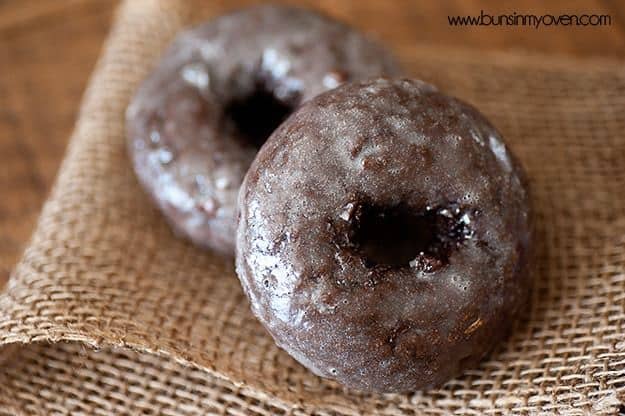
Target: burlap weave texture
<point>109,313</point>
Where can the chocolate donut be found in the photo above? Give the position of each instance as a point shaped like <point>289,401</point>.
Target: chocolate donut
<point>197,121</point>
<point>384,236</point>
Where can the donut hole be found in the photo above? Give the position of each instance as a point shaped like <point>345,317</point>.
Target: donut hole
<point>399,237</point>
<point>257,114</point>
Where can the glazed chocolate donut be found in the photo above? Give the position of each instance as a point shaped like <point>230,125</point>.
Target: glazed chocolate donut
<point>197,121</point>
<point>384,236</point>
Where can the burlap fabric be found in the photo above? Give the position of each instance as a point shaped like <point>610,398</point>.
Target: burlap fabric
<point>109,313</point>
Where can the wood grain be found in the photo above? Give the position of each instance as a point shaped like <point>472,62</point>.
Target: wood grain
<point>49,47</point>
<point>47,51</point>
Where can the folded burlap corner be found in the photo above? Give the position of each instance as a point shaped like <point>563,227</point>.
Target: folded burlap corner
<point>109,313</point>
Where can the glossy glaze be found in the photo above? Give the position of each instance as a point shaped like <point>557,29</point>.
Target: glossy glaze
<point>364,168</point>
<point>196,122</point>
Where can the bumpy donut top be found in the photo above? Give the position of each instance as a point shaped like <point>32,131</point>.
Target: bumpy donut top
<point>383,235</point>
<point>196,122</point>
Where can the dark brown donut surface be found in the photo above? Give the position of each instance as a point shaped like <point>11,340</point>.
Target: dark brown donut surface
<point>196,122</point>
<point>384,236</point>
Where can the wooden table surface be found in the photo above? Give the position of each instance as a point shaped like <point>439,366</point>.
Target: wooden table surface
<point>48,49</point>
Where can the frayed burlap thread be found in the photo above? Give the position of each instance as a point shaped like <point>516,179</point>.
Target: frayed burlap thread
<point>108,313</point>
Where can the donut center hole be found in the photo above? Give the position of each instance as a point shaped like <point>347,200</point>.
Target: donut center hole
<point>398,237</point>
<point>257,114</point>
